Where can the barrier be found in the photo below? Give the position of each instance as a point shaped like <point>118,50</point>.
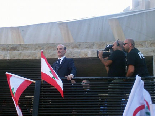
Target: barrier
<point>98,96</point>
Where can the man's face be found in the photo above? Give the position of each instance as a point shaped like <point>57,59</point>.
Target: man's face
<point>60,51</point>
<point>126,46</point>
<point>114,46</point>
<point>85,84</point>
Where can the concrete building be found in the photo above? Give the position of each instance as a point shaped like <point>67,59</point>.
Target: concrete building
<point>143,4</point>
<point>82,37</point>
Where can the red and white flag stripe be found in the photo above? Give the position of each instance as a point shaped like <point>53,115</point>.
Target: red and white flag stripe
<point>17,85</point>
<point>49,75</point>
<point>139,100</point>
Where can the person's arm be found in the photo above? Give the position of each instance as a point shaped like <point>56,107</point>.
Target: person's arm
<point>72,69</point>
<point>105,61</point>
<point>69,77</point>
<point>107,68</point>
<point>130,70</point>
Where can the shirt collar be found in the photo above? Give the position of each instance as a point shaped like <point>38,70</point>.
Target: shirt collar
<point>61,59</point>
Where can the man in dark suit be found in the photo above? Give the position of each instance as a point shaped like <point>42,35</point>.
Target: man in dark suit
<point>64,67</point>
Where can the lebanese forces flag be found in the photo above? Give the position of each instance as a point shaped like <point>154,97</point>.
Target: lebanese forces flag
<point>49,75</point>
<point>139,100</point>
<point>17,85</point>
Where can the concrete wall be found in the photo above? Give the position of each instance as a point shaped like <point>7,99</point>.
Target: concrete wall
<point>143,4</point>
<point>82,37</point>
<point>74,50</point>
<point>138,25</point>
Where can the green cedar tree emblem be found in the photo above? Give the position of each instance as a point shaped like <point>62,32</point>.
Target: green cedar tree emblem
<point>147,111</point>
<point>13,91</point>
<point>52,77</point>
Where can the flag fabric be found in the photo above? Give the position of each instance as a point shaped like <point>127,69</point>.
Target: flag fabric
<point>17,85</point>
<point>19,112</point>
<point>49,75</point>
<point>139,100</point>
<point>152,109</point>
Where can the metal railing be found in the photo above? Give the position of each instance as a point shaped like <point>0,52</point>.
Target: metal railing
<point>99,96</point>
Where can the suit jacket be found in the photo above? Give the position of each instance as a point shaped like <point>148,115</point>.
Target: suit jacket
<point>66,67</point>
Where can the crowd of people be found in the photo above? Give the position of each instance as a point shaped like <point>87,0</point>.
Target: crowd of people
<point>115,64</point>
<point>124,61</point>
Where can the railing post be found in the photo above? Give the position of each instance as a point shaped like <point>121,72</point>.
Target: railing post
<point>36,98</point>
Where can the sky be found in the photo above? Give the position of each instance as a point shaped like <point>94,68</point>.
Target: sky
<point>28,12</point>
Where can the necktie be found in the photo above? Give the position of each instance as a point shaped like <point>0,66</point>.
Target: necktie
<point>57,65</point>
<point>58,61</point>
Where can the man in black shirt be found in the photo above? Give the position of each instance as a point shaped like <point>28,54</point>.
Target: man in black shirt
<point>135,60</point>
<point>115,63</point>
<point>115,66</point>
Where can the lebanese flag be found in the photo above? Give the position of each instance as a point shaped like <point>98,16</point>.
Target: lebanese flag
<point>49,75</point>
<point>19,112</point>
<point>17,85</point>
<point>139,100</point>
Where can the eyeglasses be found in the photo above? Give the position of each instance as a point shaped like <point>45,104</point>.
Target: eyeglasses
<point>125,44</point>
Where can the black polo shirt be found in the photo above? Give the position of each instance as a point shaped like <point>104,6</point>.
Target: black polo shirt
<point>117,68</point>
<point>136,58</point>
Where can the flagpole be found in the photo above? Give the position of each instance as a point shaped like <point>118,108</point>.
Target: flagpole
<point>41,65</point>
<point>21,77</point>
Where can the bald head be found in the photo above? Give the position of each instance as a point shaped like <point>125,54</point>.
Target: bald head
<point>129,44</point>
<point>131,41</point>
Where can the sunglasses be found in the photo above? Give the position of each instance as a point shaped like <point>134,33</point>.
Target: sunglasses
<point>125,44</point>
